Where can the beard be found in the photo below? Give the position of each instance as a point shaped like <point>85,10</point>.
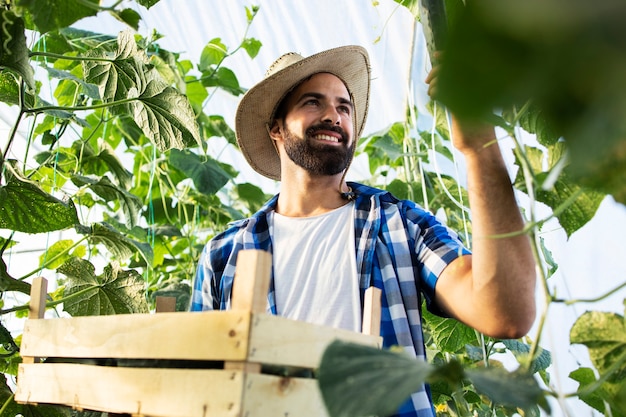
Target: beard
<point>318,158</point>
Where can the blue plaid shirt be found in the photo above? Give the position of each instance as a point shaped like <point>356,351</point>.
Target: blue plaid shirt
<point>400,248</point>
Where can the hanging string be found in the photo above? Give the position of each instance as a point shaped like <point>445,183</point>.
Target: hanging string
<point>151,221</point>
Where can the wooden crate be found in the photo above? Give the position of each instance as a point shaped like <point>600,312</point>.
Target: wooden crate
<point>209,364</point>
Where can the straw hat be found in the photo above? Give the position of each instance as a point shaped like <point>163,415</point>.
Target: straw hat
<point>256,110</point>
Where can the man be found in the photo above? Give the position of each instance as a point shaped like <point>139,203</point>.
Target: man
<point>331,239</point>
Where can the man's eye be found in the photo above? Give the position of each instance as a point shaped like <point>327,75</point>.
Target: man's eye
<point>344,109</point>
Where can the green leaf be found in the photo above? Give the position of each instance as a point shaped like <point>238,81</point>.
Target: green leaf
<point>216,126</point>
<point>7,343</point>
<point>206,173</point>
<point>117,243</point>
<point>594,398</point>
<point>8,283</point>
<point>116,291</point>
<point>449,335</point>
<point>9,89</point>
<point>604,334</point>
<point>148,3</point>
<point>89,89</point>
<point>251,195</point>
<point>223,78</point>
<point>59,250</point>
<point>49,15</point>
<point>165,117</point>
<point>252,46</point>
<point>13,49</point>
<point>516,389</point>
<point>213,54</point>
<point>116,75</point>
<point>579,212</point>
<point>25,207</point>
<point>357,380</point>
<point>104,188</point>
<point>128,16</point>
<point>102,162</point>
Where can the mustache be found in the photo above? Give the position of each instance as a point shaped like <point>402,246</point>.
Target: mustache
<point>322,126</point>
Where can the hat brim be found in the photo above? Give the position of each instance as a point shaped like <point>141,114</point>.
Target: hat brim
<point>254,113</point>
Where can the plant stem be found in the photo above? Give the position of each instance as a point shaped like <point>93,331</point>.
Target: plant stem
<point>69,58</point>
<point>590,300</point>
<point>6,404</point>
<point>51,304</point>
<point>72,109</point>
<point>54,258</point>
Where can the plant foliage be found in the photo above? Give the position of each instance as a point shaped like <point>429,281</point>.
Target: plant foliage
<point>125,167</point>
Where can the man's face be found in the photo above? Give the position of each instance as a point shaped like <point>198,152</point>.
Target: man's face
<point>317,127</point>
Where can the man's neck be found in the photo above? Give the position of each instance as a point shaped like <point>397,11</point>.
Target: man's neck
<point>310,196</point>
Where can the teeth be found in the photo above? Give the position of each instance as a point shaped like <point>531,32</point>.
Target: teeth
<point>327,137</point>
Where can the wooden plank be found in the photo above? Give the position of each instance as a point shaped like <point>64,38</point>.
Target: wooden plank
<point>252,280</point>
<point>38,294</point>
<point>215,335</point>
<point>269,396</point>
<point>372,311</point>
<point>139,391</point>
<point>36,308</point>
<point>278,340</point>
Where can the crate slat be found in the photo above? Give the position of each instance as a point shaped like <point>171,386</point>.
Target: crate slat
<point>216,335</point>
<point>277,340</point>
<point>151,392</point>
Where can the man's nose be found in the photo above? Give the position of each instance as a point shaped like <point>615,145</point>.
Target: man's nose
<point>331,116</point>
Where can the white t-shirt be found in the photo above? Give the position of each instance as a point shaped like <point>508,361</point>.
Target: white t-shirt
<point>314,262</point>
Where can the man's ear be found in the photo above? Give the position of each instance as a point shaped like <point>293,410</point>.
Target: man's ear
<point>275,131</point>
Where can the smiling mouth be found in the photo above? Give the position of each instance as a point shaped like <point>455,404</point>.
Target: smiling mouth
<point>326,138</point>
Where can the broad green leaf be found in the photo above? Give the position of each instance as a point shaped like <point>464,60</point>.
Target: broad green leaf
<point>357,380</point>
<point>604,334</point>
<point>513,389</point>
<point>207,175</point>
<point>104,188</point>
<point>449,335</point>
<point>213,54</point>
<point>120,246</point>
<point>49,15</point>
<point>165,117</point>
<point>13,49</point>
<point>118,74</point>
<point>116,291</point>
<point>25,207</point>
